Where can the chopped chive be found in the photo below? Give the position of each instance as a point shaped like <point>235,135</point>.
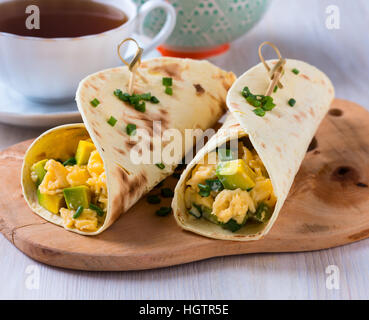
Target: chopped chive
<point>146,96</point>
<point>153,199</point>
<point>168,82</point>
<point>160,166</point>
<point>131,129</point>
<point>99,211</point>
<point>268,103</point>
<point>231,225</point>
<point>167,193</point>
<point>259,112</point>
<point>154,100</point>
<point>163,211</point>
<point>262,213</point>
<point>253,101</point>
<point>169,91</point>
<point>112,121</point>
<point>95,102</point>
<point>204,190</point>
<point>214,184</point>
<point>78,212</point>
<point>260,102</point>
<point>292,102</point>
<point>136,100</point>
<point>141,106</point>
<point>118,93</point>
<point>295,71</point>
<point>70,162</point>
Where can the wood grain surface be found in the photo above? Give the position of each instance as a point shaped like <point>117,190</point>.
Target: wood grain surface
<point>327,206</point>
<point>299,30</point>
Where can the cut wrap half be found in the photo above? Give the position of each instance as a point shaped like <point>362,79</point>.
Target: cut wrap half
<point>81,176</point>
<point>239,195</point>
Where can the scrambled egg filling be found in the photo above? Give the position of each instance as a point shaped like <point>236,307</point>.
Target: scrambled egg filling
<point>56,178</point>
<point>235,200</point>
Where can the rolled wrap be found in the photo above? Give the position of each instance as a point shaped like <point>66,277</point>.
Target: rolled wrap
<point>280,138</point>
<point>198,101</point>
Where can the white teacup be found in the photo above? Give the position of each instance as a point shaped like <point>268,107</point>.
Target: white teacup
<point>49,70</point>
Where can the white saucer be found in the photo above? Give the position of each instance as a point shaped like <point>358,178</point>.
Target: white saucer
<point>16,110</point>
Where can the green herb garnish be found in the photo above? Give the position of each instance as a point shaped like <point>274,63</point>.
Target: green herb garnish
<point>215,184</point>
<point>99,211</point>
<point>140,106</point>
<point>169,91</point>
<point>136,100</point>
<point>112,121</point>
<point>260,102</point>
<point>292,102</point>
<point>131,129</point>
<point>253,101</point>
<point>70,162</point>
<point>163,211</point>
<point>210,185</point>
<point>167,193</point>
<point>295,71</point>
<point>262,213</point>
<point>78,212</point>
<point>168,82</point>
<point>154,100</point>
<point>268,103</point>
<point>146,96</point>
<point>160,165</point>
<point>275,89</point>
<point>153,199</point>
<point>259,112</point>
<point>204,190</point>
<point>232,225</point>
<point>95,103</point>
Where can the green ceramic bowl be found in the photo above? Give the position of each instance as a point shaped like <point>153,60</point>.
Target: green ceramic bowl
<point>206,24</point>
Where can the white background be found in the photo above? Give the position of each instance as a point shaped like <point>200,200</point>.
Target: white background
<point>298,28</point>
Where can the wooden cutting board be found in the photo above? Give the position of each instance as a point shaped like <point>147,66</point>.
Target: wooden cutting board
<point>327,206</point>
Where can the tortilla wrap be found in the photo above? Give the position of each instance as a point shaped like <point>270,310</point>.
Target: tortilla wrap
<point>280,138</point>
<point>198,101</point>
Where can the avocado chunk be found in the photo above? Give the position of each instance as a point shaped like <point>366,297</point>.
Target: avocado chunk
<point>235,174</point>
<point>50,202</point>
<point>77,196</point>
<point>39,169</point>
<point>83,152</point>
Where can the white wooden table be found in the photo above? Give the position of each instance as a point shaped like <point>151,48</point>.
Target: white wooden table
<point>299,30</point>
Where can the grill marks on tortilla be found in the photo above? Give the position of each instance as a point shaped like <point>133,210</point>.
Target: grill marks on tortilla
<point>132,186</point>
<point>172,70</point>
<point>148,117</point>
<point>120,151</point>
<point>199,89</point>
<point>304,76</point>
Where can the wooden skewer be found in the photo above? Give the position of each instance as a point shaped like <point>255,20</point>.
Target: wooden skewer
<point>133,65</point>
<point>276,72</point>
